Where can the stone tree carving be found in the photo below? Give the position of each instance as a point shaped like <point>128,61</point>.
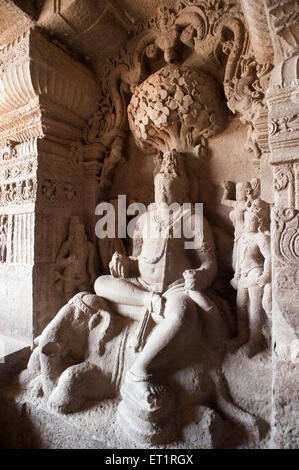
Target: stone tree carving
<point>75,261</point>
<point>216,33</point>
<point>175,109</point>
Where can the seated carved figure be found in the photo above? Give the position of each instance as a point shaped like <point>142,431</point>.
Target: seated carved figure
<point>58,367</point>
<point>158,297</point>
<point>162,276</point>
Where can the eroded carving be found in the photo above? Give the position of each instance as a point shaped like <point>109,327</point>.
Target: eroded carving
<point>245,193</point>
<point>252,278</point>
<point>284,125</point>
<point>18,192</point>
<point>75,262</point>
<point>3,237</point>
<point>161,295</point>
<point>284,21</point>
<point>49,190</point>
<point>286,235</point>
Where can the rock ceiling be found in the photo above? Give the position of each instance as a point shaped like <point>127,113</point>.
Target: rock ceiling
<point>92,29</point>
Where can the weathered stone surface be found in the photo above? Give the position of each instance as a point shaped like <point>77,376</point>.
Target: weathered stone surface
<point>184,341</point>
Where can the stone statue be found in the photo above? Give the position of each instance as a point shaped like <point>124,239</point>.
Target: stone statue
<point>150,322</point>
<point>3,238</point>
<point>163,277</point>
<point>75,261</point>
<point>253,273</point>
<point>58,368</point>
<point>246,192</point>
<point>107,246</point>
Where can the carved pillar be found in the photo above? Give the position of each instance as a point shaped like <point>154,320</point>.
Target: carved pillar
<point>46,98</point>
<point>283,104</point>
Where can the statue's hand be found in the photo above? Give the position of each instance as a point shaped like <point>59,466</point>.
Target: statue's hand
<point>190,279</point>
<point>119,265</point>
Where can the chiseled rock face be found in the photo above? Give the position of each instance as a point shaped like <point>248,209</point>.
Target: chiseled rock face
<point>172,337</point>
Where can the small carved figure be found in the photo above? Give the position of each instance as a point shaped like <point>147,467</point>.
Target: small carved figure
<point>3,238</point>
<point>6,194</point>
<point>116,156</point>
<point>75,261</point>
<point>19,191</point>
<point>27,190</point>
<point>69,191</point>
<point>49,190</point>
<point>253,273</point>
<point>11,195</point>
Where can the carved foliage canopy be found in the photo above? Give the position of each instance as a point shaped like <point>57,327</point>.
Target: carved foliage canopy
<point>214,30</point>
<point>174,108</point>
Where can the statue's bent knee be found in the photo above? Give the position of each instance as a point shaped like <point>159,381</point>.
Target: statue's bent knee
<point>101,284</point>
<point>179,308</point>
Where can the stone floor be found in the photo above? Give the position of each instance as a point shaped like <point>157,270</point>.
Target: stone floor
<point>27,422</point>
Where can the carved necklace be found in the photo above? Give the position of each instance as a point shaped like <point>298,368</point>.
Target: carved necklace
<point>163,241</point>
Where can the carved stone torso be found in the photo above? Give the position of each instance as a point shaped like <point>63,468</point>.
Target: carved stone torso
<point>163,257</point>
